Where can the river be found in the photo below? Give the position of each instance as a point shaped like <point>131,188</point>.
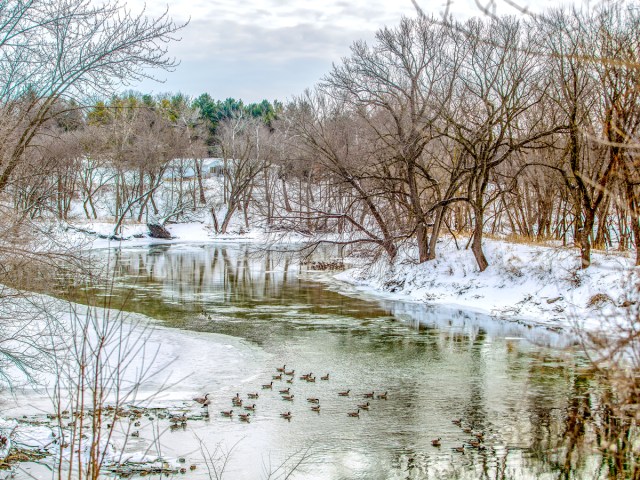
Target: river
<point>509,382</point>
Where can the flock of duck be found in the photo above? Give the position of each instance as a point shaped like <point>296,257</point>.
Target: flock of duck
<point>283,375</point>
<point>476,441</point>
<point>248,407</point>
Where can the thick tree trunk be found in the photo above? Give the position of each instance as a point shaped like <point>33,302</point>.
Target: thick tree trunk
<point>198,165</point>
<point>227,218</point>
<point>585,239</point>
<point>476,244</point>
<point>422,239</point>
<point>435,233</point>
<point>214,217</point>
<point>602,237</point>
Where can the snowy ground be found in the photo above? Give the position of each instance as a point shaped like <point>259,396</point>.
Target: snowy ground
<point>162,368</point>
<point>530,283</point>
<point>134,235</point>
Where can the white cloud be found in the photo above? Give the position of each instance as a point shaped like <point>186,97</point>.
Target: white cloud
<point>227,43</point>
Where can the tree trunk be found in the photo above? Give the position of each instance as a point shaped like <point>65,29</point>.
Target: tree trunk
<point>435,233</point>
<point>267,196</point>
<point>635,218</point>
<point>214,217</point>
<point>585,238</point>
<point>476,244</point>
<point>422,239</point>
<point>285,195</point>
<point>227,218</point>
<point>198,165</point>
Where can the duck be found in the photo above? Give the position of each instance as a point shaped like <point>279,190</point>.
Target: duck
<point>313,400</point>
<point>268,385</point>
<point>227,413</point>
<point>244,417</point>
<point>285,390</point>
<point>315,408</point>
<point>382,396</point>
<point>135,433</point>
<point>290,373</point>
<point>289,380</point>
<point>344,394</point>
<point>288,398</point>
<point>457,421</point>
<point>178,419</point>
<point>354,414</point>
<point>277,377</point>
<point>467,430</point>
<point>368,395</point>
<point>474,443</point>
<point>236,403</point>
<point>436,442</point>
<point>364,406</point>
<point>202,399</point>
<point>311,379</point>
<point>250,407</point>
<point>459,449</point>
<point>306,375</point>
<point>325,377</point>
<point>479,435</point>
<point>286,415</point>
<point>281,369</point>
<point>253,395</point>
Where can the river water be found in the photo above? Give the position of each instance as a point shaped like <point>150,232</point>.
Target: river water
<point>511,382</point>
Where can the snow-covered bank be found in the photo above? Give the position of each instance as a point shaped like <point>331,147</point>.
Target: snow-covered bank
<point>532,283</point>
<point>161,366</point>
<point>142,364</point>
<point>93,235</point>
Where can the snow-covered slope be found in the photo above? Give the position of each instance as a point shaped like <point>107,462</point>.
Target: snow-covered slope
<point>526,282</point>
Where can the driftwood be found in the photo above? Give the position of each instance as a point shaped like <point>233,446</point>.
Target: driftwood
<point>158,231</point>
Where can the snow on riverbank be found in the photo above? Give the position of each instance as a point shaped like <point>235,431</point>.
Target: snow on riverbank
<point>537,284</point>
<point>160,365</point>
<point>93,235</point>
<point>153,367</point>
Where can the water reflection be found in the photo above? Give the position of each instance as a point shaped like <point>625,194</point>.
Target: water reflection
<point>436,364</point>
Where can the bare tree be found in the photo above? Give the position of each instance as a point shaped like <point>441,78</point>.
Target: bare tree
<point>68,49</point>
<point>244,145</point>
<point>328,136</point>
<point>499,84</point>
<point>392,87</point>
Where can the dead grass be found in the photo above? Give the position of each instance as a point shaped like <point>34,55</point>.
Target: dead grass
<point>599,299</point>
<point>522,239</point>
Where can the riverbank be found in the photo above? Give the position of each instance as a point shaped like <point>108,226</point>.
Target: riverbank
<point>144,367</point>
<point>535,284</point>
<point>530,283</point>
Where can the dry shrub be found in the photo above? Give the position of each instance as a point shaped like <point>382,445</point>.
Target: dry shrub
<point>598,300</point>
<point>512,267</point>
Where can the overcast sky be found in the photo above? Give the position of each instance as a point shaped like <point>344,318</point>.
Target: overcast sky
<point>273,49</point>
